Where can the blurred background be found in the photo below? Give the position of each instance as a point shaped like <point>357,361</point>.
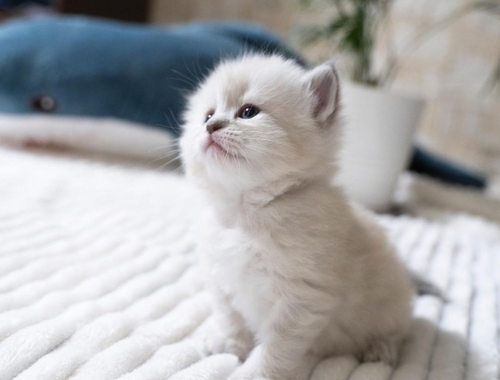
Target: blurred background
<point>447,52</point>
<point>443,54</point>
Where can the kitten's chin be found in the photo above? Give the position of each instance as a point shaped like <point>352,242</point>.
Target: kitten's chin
<point>211,144</point>
<point>214,149</point>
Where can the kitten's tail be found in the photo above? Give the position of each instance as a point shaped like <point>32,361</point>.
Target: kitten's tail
<point>425,287</point>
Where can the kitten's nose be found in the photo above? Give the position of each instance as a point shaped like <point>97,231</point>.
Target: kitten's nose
<point>215,126</point>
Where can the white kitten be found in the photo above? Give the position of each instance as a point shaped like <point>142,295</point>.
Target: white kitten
<point>299,272</point>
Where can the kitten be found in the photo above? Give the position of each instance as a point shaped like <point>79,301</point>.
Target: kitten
<point>299,272</point>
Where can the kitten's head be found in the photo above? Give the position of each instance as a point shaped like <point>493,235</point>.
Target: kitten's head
<point>259,119</point>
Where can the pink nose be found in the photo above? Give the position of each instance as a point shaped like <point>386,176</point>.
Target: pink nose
<point>215,126</point>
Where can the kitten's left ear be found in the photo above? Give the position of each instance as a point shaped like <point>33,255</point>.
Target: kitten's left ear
<point>322,82</point>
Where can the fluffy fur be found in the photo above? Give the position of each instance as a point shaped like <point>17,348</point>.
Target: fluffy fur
<point>298,272</point>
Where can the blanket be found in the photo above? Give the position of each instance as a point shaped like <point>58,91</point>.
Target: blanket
<point>99,280</point>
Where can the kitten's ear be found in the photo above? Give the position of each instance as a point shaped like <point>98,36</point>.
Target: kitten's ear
<point>323,84</point>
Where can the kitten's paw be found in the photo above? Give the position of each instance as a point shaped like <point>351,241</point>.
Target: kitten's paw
<point>227,345</point>
<point>384,350</point>
<point>252,368</point>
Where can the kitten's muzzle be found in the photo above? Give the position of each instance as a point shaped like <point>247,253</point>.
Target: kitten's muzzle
<point>215,126</point>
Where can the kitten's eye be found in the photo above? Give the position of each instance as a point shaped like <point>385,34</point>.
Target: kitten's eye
<point>248,111</point>
<point>209,116</point>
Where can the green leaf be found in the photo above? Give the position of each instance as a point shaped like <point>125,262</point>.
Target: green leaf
<point>313,34</point>
<point>337,25</point>
<point>305,3</point>
<point>353,28</point>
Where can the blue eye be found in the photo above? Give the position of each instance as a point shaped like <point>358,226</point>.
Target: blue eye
<point>209,116</point>
<point>248,111</point>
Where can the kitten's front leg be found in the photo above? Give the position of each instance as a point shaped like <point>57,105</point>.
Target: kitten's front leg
<point>286,342</point>
<point>231,334</point>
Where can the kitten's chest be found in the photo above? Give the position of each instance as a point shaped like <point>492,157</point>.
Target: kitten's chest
<point>239,266</point>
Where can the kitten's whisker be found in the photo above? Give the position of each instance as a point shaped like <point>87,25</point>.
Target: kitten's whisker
<point>167,163</point>
<point>188,69</point>
<point>233,132</point>
<point>172,160</point>
<point>175,140</point>
<point>163,157</point>
<point>169,152</point>
<point>187,78</point>
<point>246,158</point>
<point>181,80</point>
<point>258,149</point>
<point>177,170</point>
<point>161,147</point>
<point>238,161</point>
<point>274,141</point>
<point>265,152</point>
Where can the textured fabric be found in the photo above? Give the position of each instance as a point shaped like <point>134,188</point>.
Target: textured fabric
<point>98,280</point>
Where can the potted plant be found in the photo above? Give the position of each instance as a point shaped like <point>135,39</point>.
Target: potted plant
<point>380,124</point>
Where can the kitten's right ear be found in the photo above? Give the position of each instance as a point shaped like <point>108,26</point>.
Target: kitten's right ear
<point>322,82</point>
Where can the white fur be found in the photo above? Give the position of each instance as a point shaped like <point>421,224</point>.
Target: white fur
<point>298,272</point>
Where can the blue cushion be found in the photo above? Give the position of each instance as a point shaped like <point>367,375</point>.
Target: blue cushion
<point>98,68</point>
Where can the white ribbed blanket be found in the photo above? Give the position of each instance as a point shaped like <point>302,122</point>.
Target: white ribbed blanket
<point>98,281</point>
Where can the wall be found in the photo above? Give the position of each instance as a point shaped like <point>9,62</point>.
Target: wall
<point>275,14</point>
<point>451,70</point>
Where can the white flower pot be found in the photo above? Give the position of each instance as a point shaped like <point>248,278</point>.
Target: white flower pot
<point>378,135</point>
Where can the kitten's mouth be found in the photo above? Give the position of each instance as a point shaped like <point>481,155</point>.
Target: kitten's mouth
<point>211,144</point>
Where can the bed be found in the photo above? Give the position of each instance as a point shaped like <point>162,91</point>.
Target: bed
<point>99,280</point>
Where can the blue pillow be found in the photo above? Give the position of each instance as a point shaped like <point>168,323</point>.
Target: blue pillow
<point>95,68</point>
